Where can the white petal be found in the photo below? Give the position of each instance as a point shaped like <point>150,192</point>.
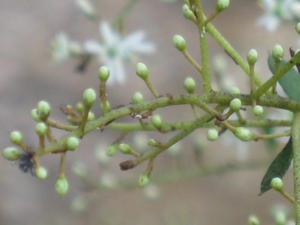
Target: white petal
<point>110,36</point>
<point>94,48</point>
<point>117,71</point>
<point>135,43</point>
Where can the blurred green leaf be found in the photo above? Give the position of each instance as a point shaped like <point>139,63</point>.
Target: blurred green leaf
<point>290,82</point>
<point>278,167</point>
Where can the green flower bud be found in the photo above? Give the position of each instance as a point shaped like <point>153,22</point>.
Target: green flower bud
<point>258,110</point>
<point>105,105</point>
<point>79,169</point>
<point>253,220</point>
<point>187,12</point>
<point>61,185</point>
<point>152,142</point>
<point>11,153</point>
<point>143,179</point>
<point>222,4</point>
<point>142,71</point>
<point>189,85</point>
<point>43,109</point>
<point>280,218</point>
<point>91,116</point>
<point>235,104</point>
<point>252,56</point>
<point>277,184</point>
<point>277,51</point>
<point>297,28</point>
<point>79,107</point>
<point>212,134</point>
<point>112,150</point>
<point>72,143</point>
<point>244,134</point>
<point>156,121</point>
<point>89,97</point>
<point>125,148</point>
<point>35,115</point>
<point>137,97</point>
<point>103,73</point>
<point>179,42</point>
<point>41,172</point>
<point>16,137</point>
<point>41,128</point>
<point>234,91</point>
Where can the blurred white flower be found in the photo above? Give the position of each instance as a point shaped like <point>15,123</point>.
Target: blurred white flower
<point>79,203</point>
<point>175,150</point>
<point>86,8</point>
<point>101,155</point>
<point>60,47</point>
<point>113,50</point>
<point>151,191</point>
<point>108,180</point>
<point>63,48</point>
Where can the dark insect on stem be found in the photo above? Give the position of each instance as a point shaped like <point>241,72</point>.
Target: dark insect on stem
<point>26,162</point>
<point>85,60</point>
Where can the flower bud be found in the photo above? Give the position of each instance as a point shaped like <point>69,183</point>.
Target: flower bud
<point>253,220</point>
<point>297,28</point>
<point>16,137</point>
<point>187,12</point>
<point>143,179</point>
<point>125,148</point>
<point>91,116</point>
<point>41,128</point>
<point>222,4</point>
<point>280,218</point>
<point>152,142</point>
<point>252,56</point>
<point>235,104</point>
<point>156,121</point>
<point>277,184</point>
<point>142,71</point>
<point>179,42</point>
<point>244,134</point>
<point>79,107</point>
<point>11,153</point>
<point>137,97</point>
<point>43,109</point>
<point>35,115</point>
<point>258,110</point>
<point>234,91</point>
<point>212,134</point>
<point>103,73</point>
<point>41,172</point>
<point>189,85</point>
<point>61,185</point>
<point>111,150</point>
<point>89,97</point>
<point>72,143</point>
<point>277,51</point>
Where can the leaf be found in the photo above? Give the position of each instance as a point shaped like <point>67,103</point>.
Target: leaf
<point>278,167</point>
<point>290,82</point>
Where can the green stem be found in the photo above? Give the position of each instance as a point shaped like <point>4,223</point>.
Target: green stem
<point>192,60</point>
<point>231,51</point>
<point>205,75</point>
<point>296,163</point>
<point>280,73</point>
<point>152,88</point>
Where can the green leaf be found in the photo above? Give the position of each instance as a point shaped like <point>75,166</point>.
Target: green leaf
<point>290,82</point>
<point>278,167</point>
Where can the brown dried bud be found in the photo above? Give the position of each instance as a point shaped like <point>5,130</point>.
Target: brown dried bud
<point>127,165</point>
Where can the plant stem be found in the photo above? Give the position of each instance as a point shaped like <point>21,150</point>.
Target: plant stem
<point>280,73</point>
<point>296,163</point>
<point>192,60</point>
<point>231,51</point>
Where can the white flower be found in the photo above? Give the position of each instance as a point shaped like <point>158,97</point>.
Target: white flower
<point>114,49</point>
<point>86,7</point>
<point>60,47</point>
<point>269,21</point>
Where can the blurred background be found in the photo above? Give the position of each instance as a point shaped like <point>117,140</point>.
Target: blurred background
<point>215,183</point>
